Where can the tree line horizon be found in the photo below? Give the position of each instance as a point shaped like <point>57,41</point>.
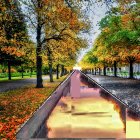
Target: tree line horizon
<point>118,44</point>
<point>58,25</point>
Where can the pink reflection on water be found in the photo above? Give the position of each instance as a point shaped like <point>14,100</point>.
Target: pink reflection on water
<point>75,85</point>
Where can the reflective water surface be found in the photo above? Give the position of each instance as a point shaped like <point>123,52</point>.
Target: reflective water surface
<point>86,112</point>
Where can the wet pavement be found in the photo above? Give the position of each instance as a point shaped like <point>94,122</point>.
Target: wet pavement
<point>127,90</point>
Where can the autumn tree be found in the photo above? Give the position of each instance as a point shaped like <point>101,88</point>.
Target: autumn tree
<point>14,33</point>
<point>118,41</point>
<point>29,58</point>
<point>119,38</point>
<point>109,25</point>
<point>63,28</point>
<point>125,38</point>
<point>36,10</point>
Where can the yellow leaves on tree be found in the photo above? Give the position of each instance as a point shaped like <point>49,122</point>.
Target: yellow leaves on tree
<point>62,28</point>
<point>12,51</point>
<point>106,30</point>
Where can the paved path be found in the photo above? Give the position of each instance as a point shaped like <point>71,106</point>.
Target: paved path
<point>11,85</point>
<point>127,90</point>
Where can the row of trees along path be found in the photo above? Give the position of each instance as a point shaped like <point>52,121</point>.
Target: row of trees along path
<point>56,23</point>
<point>118,44</point>
<point>56,26</point>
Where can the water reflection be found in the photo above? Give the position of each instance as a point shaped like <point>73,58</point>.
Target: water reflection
<point>87,112</point>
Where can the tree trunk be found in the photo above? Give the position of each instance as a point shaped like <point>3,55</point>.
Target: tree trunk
<point>92,71</point>
<point>57,71</point>
<point>51,72</point>
<point>99,71</point>
<point>104,70</point>
<point>39,72</point>
<point>39,58</point>
<point>62,70</point>
<point>115,68</point>
<point>65,71</point>
<point>22,72</point>
<point>131,70</point>
<point>49,54</point>
<point>31,72</point>
<point>95,71</point>
<point>9,70</point>
<point>131,60</point>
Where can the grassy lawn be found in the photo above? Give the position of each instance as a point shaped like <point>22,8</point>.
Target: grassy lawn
<point>16,78</point>
<point>18,105</point>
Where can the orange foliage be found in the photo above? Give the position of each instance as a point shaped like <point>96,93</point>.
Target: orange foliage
<point>17,109</point>
<point>12,51</point>
<point>19,105</point>
<point>12,70</point>
<point>126,19</point>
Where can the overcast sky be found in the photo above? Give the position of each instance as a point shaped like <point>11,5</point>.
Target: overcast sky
<point>95,14</point>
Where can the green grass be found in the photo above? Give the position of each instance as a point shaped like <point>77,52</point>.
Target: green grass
<point>15,74</point>
<point>16,78</point>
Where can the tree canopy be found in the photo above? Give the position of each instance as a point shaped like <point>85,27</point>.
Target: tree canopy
<point>119,37</point>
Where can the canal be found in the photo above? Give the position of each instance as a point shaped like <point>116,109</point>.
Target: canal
<point>85,113</point>
<point>84,110</point>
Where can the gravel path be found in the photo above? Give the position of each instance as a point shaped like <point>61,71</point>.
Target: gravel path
<point>11,85</point>
<point>127,90</point>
